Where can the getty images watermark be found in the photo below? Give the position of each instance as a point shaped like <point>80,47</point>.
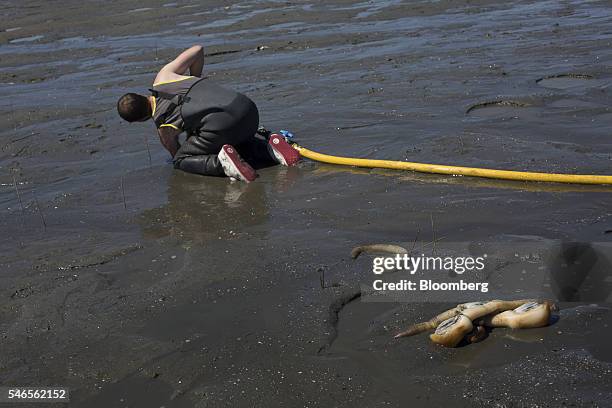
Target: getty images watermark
<point>525,266</point>
<point>422,263</point>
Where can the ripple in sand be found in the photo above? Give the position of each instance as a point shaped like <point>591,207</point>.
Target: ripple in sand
<point>564,81</point>
<point>502,107</point>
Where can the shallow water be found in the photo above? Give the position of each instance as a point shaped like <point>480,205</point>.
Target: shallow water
<point>386,80</point>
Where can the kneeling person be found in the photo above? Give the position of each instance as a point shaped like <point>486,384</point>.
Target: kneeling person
<point>221,124</point>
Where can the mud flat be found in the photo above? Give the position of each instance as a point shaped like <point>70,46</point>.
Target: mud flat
<point>135,285</point>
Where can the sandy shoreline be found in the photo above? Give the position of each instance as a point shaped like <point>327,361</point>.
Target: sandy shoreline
<point>137,285</point>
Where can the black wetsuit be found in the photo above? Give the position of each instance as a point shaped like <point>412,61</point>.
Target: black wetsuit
<point>212,116</point>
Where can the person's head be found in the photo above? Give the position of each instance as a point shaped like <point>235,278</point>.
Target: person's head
<point>134,108</point>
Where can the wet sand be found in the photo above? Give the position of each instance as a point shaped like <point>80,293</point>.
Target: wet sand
<point>139,286</point>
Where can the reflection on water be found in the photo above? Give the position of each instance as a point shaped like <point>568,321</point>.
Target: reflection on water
<point>473,182</point>
<point>200,209</point>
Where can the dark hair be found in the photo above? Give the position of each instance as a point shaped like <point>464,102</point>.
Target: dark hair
<point>133,107</point>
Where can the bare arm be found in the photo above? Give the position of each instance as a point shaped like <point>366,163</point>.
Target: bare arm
<point>196,67</point>
<point>191,59</point>
<point>169,139</point>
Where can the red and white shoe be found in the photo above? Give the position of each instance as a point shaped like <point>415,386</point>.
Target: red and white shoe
<point>234,166</point>
<point>282,151</point>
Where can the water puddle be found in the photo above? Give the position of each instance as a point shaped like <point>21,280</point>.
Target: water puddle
<point>139,10</point>
<point>377,7</point>
<point>26,39</point>
<point>224,22</point>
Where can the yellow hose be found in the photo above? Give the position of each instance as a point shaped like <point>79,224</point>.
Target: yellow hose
<point>456,170</point>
